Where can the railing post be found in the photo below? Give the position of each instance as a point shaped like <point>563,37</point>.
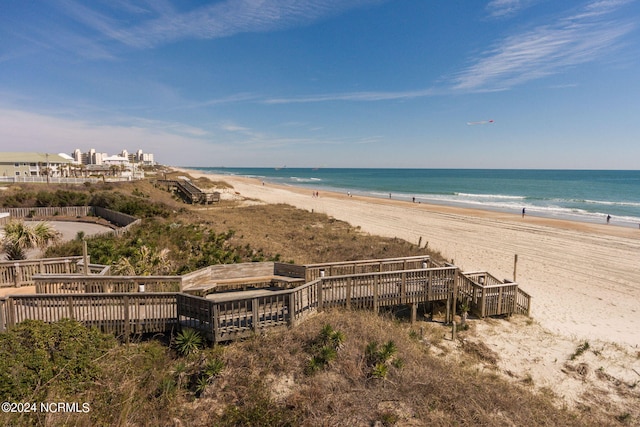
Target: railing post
<point>17,275</point>
<point>3,302</point>
<point>376,283</point>
<point>67,266</point>
<point>70,307</point>
<point>403,286</point>
<point>214,320</point>
<point>255,314</point>
<point>455,292</point>
<point>125,315</point>
<point>292,309</point>
<point>319,285</point>
<point>85,258</point>
<point>348,291</point>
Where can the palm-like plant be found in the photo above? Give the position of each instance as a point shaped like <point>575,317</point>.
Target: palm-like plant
<point>20,237</point>
<point>145,262</point>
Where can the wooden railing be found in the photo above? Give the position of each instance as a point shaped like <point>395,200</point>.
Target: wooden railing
<point>121,314</point>
<point>80,284</point>
<point>229,319</point>
<point>523,303</point>
<point>75,211</point>
<point>373,290</point>
<point>230,316</point>
<point>20,273</point>
<point>488,296</point>
<point>314,271</point>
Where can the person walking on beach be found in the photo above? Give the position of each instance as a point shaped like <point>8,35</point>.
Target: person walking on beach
<point>523,211</point>
<point>608,219</point>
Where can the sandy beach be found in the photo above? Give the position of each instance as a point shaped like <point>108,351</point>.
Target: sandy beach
<point>584,278</point>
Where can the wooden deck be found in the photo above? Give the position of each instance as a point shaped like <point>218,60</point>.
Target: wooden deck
<point>233,315</point>
<point>189,192</point>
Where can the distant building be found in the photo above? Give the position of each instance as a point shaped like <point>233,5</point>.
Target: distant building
<point>94,158</point>
<point>27,164</point>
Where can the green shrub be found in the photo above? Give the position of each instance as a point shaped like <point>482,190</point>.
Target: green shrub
<point>188,341</point>
<point>379,359</point>
<point>34,354</point>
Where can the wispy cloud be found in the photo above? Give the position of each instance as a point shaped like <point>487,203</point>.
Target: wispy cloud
<point>507,8</point>
<point>222,19</point>
<point>548,49</point>
<point>354,96</point>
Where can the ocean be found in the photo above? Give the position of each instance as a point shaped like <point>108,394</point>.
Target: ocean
<point>577,195</point>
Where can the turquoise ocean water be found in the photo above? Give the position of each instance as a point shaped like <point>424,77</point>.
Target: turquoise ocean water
<point>578,195</point>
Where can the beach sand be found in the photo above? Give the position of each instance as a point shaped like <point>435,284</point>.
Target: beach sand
<point>584,279</point>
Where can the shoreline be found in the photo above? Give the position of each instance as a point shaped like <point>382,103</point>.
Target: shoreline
<point>548,212</point>
<point>594,227</point>
<point>583,276</point>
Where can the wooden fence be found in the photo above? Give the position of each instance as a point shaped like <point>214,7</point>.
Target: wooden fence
<point>99,301</point>
<point>315,271</point>
<point>121,314</point>
<point>74,211</point>
<point>20,273</point>
<point>233,318</point>
<point>119,219</point>
<point>488,296</point>
<point>81,284</point>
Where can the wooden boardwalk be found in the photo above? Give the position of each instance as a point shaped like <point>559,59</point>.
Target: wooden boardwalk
<point>189,191</point>
<point>233,315</point>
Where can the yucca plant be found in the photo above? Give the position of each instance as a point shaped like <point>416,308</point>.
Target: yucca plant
<point>188,341</point>
<point>213,367</point>
<point>380,371</point>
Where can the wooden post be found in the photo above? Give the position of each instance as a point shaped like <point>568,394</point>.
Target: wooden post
<point>70,307</point>
<point>10,309</point>
<point>127,327</point>
<point>292,309</point>
<point>420,241</point>
<point>403,288</point>
<point>348,290</point>
<point>414,312</point>
<point>453,331</point>
<point>515,266</point>
<point>3,302</point>
<point>17,276</point>
<point>67,268</point>
<point>319,285</point>
<point>255,314</point>
<point>447,316</point>
<point>376,283</point>
<point>214,320</point>
<point>455,294</point>
<point>85,257</point>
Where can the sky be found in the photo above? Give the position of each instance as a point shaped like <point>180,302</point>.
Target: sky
<point>326,83</point>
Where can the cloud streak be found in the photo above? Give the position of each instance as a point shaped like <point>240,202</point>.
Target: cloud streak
<point>546,50</point>
<point>507,8</point>
<point>354,96</point>
<point>222,19</point>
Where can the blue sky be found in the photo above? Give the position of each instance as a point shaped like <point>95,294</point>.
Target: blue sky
<point>326,83</point>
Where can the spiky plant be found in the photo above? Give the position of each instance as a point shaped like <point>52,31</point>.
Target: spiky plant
<point>188,341</point>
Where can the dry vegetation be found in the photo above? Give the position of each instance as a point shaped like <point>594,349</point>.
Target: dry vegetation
<point>429,380</point>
